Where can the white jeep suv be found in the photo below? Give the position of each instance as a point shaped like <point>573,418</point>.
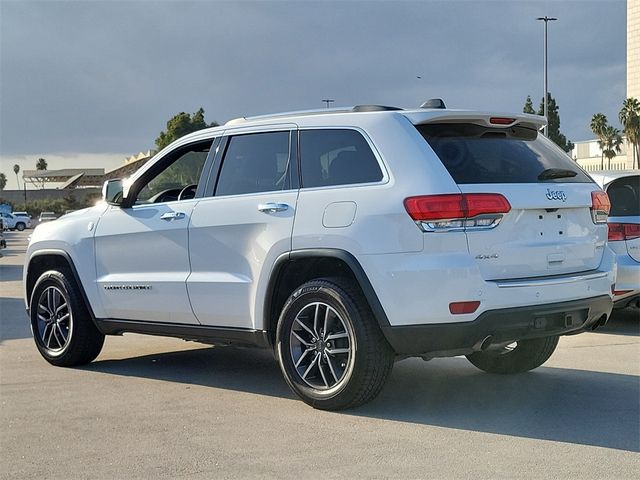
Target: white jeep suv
<point>341,239</point>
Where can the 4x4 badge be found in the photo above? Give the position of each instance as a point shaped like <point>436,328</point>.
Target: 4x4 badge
<point>556,195</point>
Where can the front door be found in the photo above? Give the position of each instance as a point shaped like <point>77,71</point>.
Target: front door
<point>142,252</point>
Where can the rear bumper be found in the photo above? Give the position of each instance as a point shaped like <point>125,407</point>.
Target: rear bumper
<point>627,280</point>
<point>503,325</point>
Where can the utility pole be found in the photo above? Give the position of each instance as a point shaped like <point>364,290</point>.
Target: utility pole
<point>328,101</point>
<point>546,20</point>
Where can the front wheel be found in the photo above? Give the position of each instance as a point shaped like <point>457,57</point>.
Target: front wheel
<point>20,226</point>
<point>518,357</point>
<point>60,322</point>
<point>329,346</point>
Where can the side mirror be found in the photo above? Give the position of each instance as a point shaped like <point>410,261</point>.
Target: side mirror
<point>112,192</point>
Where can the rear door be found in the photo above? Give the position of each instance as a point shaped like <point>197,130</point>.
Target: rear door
<point>549,229</point>
<point>243,225</point>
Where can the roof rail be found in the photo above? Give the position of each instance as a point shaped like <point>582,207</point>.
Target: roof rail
<point>374,108</point>
<point>321,111</point>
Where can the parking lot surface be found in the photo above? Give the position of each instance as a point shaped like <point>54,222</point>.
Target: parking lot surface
<point>152,407</point>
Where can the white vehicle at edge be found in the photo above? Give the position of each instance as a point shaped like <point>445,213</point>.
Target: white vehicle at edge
<point>623,188</point>
<point>342,239</point>
<point>15,222</point>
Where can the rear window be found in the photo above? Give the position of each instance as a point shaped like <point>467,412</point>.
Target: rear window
<point>478,154</point>
<point>624,195</point>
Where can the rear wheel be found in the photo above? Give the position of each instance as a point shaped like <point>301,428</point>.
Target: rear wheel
<point>329,346</point>
<point>60,322</point>
<point>517,357</point>
<point>20,226</point>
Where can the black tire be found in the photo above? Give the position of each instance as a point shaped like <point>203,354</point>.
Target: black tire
<point>364,370</point>
<point>527,355</point>
<point>20,226</point>
<point>83,340</point>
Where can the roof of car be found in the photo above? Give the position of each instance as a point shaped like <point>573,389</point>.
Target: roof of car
<point>605,177</point>
<point>416,116</point>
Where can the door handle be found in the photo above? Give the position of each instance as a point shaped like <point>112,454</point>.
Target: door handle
<point>172,216</point>
<point>272,207</point>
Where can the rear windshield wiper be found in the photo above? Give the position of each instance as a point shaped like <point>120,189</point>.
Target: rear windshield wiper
<point>550,173</point>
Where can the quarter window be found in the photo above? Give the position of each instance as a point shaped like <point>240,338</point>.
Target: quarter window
<point>255,163</point>
<point>336,157</point>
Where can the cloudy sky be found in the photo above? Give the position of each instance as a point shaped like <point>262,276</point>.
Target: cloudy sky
<point>90,82</point>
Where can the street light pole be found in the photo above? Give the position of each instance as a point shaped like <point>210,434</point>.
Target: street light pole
<point>546,20</point>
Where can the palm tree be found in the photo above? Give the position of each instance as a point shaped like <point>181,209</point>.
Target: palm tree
<point>598,125</point>
<point>611,143</point>
<point>3,181</point>
<point>41,165</point>
<point>16,170</point>
<point>630,119</point>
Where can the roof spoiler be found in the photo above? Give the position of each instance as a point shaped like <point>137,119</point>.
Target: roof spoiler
<point>479,118</point>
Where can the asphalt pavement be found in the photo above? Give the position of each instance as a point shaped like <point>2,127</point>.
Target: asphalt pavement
<point>152,407</point>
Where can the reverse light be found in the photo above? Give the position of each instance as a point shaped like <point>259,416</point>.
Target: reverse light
<point>623,231</point>
<point>458,211</point>
<point>458,308</point>
<point>600,206</point>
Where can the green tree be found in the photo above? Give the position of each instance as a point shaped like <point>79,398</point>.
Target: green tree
<point>3,181</point>
<point>598,125</point>
<point>528,106</point>
<point>611,143</point>
<point>181,124</point>
<point>16,170</point>
<point>629,117</point>
<point>553,120</point>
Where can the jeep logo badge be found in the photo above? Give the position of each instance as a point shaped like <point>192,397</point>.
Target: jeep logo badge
<point>556,195</point>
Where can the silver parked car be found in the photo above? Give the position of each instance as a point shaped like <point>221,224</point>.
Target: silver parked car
<point>623,188</point>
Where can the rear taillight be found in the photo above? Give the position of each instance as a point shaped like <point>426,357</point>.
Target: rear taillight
<point>457,211</point>
<point>600,206</point>
<point>623,231</point>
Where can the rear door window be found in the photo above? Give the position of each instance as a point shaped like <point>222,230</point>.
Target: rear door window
<point>478,154</point>
<point>254,163</point>
<point>336,157</point>
<point>624,195</point>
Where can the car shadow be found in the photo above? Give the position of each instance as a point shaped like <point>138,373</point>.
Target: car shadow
<point>624,321</point>
<point>10,273</point>
<point>14,323</point>
<point>557,404</point>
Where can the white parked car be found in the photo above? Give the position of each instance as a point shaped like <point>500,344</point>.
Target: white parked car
<point>341,239</point>
<point>47,217</point>
<point>623,188</point>
<point>14,222</point>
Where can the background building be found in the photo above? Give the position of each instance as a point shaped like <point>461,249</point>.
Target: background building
<point>587,153</point>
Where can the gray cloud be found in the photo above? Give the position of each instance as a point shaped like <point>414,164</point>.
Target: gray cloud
<point>105,76</point>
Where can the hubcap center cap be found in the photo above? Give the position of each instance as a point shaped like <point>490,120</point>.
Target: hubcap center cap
<point>320,346</point>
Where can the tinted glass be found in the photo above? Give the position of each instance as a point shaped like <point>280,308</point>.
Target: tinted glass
<point>336,157</point>
<point>183,172</point>
<point>624,195</point>
<point>477,154</point>
<point>255,163</point>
